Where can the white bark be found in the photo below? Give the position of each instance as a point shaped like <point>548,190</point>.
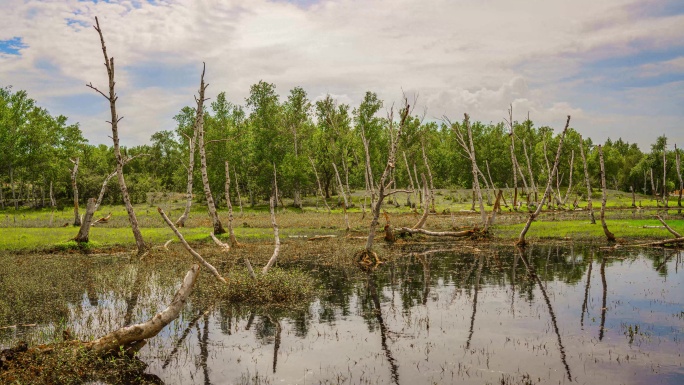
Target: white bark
<point>469,149</point>
<point>572,163</point>
<point>233,240</point>
<point>112,98</point>
<point>547,192</point>
<point>609,235</point>
<point>423,218</point>
<point>665,197</point>
<point>679,175</point>
<point>276,249</point>
<point>464,233</point>
<point>84,231</point>
<point>408,172</point>
<point>670,229</point>
<point>133,337</point>
<point>346,204</point>
<point>199,127</point>
<point>191,172</point>
<point>192,252</point>
<point>432,186</point>
<point>320,188</point>
<point>74,186</point>
<point>588,182</point>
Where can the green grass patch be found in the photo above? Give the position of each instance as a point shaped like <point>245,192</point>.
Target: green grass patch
<point>278,287</point>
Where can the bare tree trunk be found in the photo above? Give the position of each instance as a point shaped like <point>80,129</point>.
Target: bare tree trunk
<point>513,160</point>
<point>665,197</point>
<point>609,235</point>
<point>679,175</point>
<point>14,196</point>
<point>199,128</point>
<point>103,189</point>
<point>346,204</point>
<point>112,98</point>
<point>419,189</point>
<point>547,192</point>
<point>191,171</point>
<point>432,185</point>
<point>529,169</point>
<point>276,250</point>
<point>469,149</point>
<point>320,189</point>
<point>237,188</point>
<point>572,163</point>
<point>586,179</point>
<point>376,205</point>
<point>132,338</point>
<point>53,203</point>
<point>192,252</point>
<point>426,210</point>
<point>233,240</point>
<point>413,188</point>
<point>653,188</point>
<point>74,186</point>
<point>631,188</point>
<point>84,231</point>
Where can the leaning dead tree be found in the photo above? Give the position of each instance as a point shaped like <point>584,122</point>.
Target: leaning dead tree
<point>114,122</point>
<point>586,179</point>
<point>469,149</point>
<point>192,140</point>
<point>74,186</point>
<point>609,235</point>
<point>276,249</point>
<point>383,185</point>
<point>132,338</point>
<point>199,128</point>
<point>665,196</point>
<point>427,167</point>
<point>548,191</point>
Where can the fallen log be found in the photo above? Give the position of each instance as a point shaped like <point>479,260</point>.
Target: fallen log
<point>464,233</point>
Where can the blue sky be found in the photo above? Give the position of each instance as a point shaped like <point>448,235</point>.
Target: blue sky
<point>616,66</point>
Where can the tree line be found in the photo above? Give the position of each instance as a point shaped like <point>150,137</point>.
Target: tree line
<point>305,141</point>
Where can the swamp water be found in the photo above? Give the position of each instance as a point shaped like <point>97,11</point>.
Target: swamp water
<point>555,314</point>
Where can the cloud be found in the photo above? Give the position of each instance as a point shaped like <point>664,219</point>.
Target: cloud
<point>548,58</point>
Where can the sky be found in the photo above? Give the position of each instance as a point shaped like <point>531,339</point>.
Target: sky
<point>617,67</point>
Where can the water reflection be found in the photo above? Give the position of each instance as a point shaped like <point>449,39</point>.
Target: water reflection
<point>473,315</point>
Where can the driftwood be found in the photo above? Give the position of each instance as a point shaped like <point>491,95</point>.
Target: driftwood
<point>464,233</point>
<point>609,235</point>
<point>547,192</point>
<point>114,122</point>
<point>132,338</point>
<point>102,219</point>
<point>192,252</point>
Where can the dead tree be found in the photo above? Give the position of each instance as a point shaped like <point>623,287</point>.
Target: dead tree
<point>654,192</point>
<point>395,132</point>
<point>320,188</point>
<point>665,197</point>
<point>679,175</point>
<point>187,247</point>
<point>74,186</point>
<point>588,182</point>
<point>547,192</point>
<point>529,171</point>
<point>609,235</point>
<point>432,185</point>
<point>191,172</point>
<point>132,338</point>
<point>344,195</point>
<point>426,210</point>
<point>413,188</point>
<point>513,160</point>
<point>572,163</point>
<point>276,249</point>
<point>199,128</point>
<point>84,232</point>
<point>233,240</point>
<point>103,189</point>
<point>469,150</point>
<point>115,119</point>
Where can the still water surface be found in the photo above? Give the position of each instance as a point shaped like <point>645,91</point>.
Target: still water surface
<point>550,315</point>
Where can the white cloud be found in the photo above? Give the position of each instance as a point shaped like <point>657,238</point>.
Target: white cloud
<point>468,56</point>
